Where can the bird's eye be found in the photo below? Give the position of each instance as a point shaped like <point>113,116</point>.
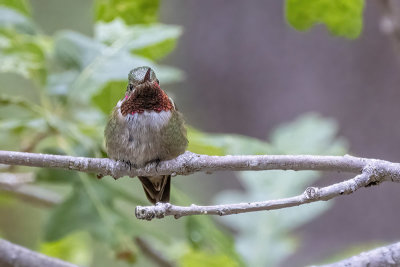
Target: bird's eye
<point>158,82</point>
<point>130,87</point>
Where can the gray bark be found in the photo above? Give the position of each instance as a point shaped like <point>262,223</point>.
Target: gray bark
<point>379,257</point>
<point>189,163</point>
<point>12,255</point>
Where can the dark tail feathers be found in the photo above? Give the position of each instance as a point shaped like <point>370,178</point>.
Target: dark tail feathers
<point>157,188</point>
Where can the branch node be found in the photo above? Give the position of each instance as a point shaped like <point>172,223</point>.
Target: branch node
<point>311,193</point>
<point>148,213</point>
<point>375,172</point>
<point>187,157</point>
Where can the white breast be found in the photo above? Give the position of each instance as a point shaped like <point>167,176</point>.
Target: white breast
<point>138,137</point>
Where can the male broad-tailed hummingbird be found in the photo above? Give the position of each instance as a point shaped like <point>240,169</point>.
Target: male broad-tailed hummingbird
<point>146,127</point>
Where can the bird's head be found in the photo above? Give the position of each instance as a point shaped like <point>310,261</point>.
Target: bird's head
<point>144,93</point>
<point>141,75</point>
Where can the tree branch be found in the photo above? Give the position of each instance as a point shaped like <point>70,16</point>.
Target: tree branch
<point>189,163</point>
<point>152,254</point>
<point>13,255</point>
<point>34,194</point>
<point>369,176</point>
<point>17,184</point>
<point>372,172</point>
<point>383,256</point>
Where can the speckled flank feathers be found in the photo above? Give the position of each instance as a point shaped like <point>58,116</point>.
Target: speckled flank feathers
<point>145,127</point>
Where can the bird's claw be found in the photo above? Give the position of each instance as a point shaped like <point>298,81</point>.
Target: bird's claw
<point>129,164</point>
<point>152,165</point>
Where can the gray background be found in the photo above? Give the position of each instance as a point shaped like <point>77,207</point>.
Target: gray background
<point>247,71</point>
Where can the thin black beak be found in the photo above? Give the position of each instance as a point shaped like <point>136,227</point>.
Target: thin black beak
<point>147,76</point>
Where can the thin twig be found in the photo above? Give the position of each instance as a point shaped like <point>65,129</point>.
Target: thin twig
<point>152,254</point>
<point>18,185</point>
<point>29,147</point>
<point>34,194</point>
<point>311,194</point>
<point>9,179</point>
<point>13,255</point>
<point>383,256</point>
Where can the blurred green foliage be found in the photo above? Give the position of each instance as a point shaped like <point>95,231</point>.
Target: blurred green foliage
<point>341,17</point>
<point>132,12</point>
<point>21,6</point>
<point>264,238</point>
<point>74,247</point>
<point>76,80</point>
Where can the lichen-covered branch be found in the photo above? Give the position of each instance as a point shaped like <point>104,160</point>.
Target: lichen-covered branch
<point>13,255</point>
<point>383,256</point>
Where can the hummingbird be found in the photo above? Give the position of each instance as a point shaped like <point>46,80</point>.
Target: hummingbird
<point>146,127</point>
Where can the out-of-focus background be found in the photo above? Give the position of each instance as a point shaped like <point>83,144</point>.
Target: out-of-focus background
<point>247,83</point>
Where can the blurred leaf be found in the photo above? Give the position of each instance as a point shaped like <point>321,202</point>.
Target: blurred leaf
<point>132,12</point>
<point>9,18</point>
<point>150,41</point>
<point>196,258</point>
<point>81,79</point>
<point>74,248</point>
<point>22,54</point>
<point>224,144</point>
<point>99,64</point>
<point>309,134</point>
<point>79,213</point>
<point>75,50</point>
<point>56,176</point>
<point>115,68</point>
<point>341,17</point>
<point>59,83</point>
<point>19,5</point>
<point>137,36</point>
<point>20,102</point>
<point>108,97</point>
<point>128,256</point>
<point>17,126</point>
<point>204,235</point>
<point>198,143</point>
<point>157,51</point>
<point>90,207</point>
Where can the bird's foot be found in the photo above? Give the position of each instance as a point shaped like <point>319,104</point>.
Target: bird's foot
<point>152,165</point>
<point>129,164</point>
